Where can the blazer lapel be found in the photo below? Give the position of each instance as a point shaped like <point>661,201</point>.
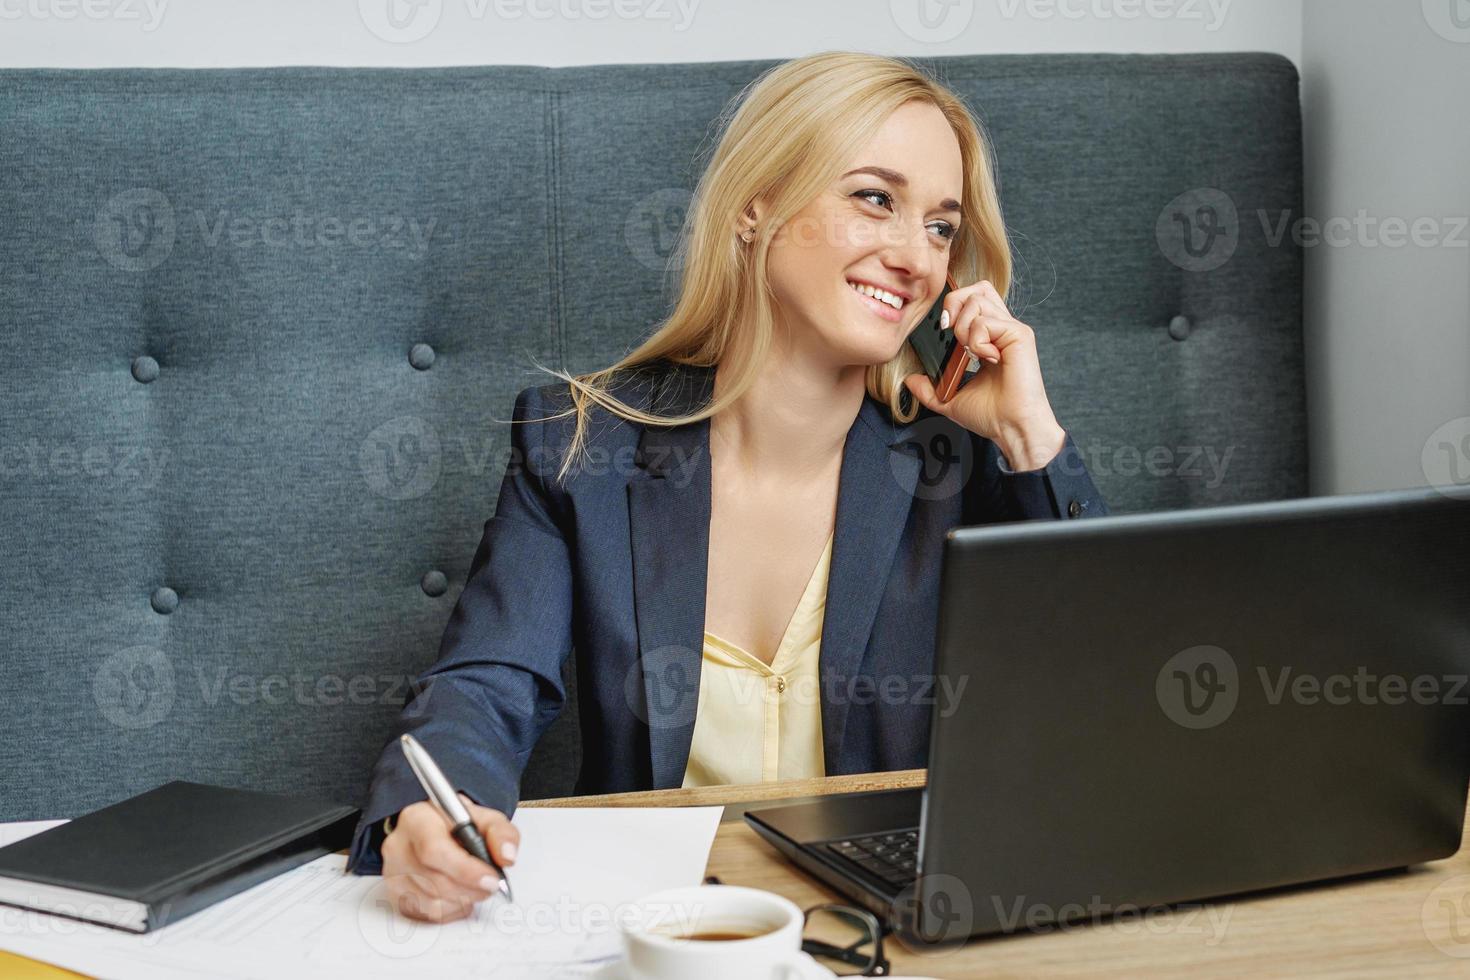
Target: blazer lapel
<point>669,519</point>
<point>874,494</point>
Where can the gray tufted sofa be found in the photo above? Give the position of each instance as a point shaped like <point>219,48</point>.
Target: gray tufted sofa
<point>264,329</point>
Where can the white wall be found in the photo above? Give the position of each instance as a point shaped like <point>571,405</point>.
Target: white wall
<point>1386,98</point>
<point>204,33</point>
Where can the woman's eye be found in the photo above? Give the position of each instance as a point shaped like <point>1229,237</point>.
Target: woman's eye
<point>946,230</point>
<point>875,193</point>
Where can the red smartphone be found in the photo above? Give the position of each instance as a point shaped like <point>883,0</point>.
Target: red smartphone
<point>944,359</point>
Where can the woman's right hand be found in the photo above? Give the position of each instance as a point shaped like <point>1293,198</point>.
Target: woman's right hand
<point>427,874</point>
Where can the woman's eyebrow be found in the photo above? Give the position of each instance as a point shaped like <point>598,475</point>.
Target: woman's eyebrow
<point>899,180</point>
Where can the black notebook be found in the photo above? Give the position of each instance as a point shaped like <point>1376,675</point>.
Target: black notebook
<point>155,858</point>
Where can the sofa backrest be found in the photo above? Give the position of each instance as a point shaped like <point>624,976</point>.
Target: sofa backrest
<point>267,326</point>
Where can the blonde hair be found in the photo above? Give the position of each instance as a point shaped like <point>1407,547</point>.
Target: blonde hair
<point>792,131</point>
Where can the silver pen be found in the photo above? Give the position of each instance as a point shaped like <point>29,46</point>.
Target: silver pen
<point>432,779</point>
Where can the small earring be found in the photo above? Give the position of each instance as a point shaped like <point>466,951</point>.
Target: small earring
<point>747,236</point>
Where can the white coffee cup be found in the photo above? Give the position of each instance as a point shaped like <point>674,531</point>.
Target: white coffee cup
<point>657,948</point>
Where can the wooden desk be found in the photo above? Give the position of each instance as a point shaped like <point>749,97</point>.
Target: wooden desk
<point>1412,924</point>
<point>1415,923</point>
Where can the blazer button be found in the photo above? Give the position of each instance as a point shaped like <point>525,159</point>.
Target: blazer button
<point>1074,509</point>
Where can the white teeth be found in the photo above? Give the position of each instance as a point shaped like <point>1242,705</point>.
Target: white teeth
<point>882,295</point>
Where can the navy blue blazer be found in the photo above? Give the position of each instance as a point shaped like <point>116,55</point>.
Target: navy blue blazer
<point>612,564</point>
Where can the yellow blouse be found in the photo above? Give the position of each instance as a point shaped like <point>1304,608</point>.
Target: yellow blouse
<point>758,722</point>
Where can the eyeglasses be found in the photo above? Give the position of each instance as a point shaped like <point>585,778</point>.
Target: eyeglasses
<point>846,940</point>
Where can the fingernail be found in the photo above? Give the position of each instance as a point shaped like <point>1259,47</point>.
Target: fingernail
<point>508,851</point>
<point>489,883</point>
<point>944,320</point>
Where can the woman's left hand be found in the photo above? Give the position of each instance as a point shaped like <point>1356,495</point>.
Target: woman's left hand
<point>1005,401</point>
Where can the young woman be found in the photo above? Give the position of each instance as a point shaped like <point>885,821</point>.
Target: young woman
<point>731,526</point>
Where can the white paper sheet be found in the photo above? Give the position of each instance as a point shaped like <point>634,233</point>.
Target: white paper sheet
<point>578,871</point>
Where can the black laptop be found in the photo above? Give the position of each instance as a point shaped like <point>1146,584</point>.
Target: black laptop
<point>1168,707</point>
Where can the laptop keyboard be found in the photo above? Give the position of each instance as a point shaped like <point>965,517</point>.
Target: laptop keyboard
<point>893,858</point>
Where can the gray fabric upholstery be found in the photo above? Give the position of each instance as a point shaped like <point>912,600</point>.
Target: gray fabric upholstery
<point>265,328</point>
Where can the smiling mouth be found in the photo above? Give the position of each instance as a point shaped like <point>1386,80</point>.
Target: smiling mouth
<point>881,308</point>
<point>891,300</point>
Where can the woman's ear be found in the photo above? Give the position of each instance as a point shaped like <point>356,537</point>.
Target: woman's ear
<point>750,218</point>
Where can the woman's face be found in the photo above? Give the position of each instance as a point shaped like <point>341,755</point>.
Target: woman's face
<point>886,223</point>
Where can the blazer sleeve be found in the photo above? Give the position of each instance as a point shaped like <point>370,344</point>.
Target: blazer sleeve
<point>497,683</point>
<point>1062,490</point>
